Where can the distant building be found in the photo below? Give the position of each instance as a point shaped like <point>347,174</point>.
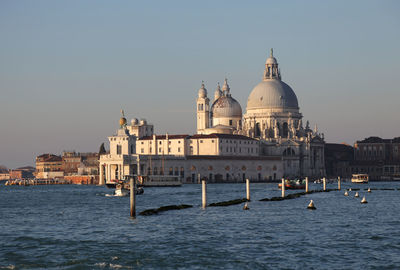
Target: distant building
<point>378,157</point>
<point>49,166</point>
<point>80,163</point>
<point>23,172</point>
<point>338,160</point>
<point>4,173</point>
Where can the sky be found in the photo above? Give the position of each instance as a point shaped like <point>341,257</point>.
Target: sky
<point>67,68</point>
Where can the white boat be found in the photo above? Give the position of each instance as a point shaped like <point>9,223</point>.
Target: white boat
<point>159,181</point>
<point>359,178</point>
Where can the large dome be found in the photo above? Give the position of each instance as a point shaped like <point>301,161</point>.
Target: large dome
<point>270,94</point>
<point>226,106</point>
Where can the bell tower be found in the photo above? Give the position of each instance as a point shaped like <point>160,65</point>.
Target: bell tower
<point>203,110</point>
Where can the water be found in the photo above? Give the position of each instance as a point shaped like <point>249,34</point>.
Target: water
<point>79,227</point>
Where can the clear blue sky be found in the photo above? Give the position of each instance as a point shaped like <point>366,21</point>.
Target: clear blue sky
<point>67,68</point>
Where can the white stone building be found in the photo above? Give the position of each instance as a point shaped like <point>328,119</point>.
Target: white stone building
<point>272,117</point>
<point>266,143</point>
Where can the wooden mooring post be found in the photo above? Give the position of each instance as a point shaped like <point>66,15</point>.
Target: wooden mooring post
<point>338,183</point>
<point>324,182</point>
<point>306,184</point>
<point>248,189</point>
<point>133,196</point>
<point>283,187</point>
<point>204,194</point>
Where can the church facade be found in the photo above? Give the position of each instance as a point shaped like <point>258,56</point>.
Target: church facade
<point>264,144</point>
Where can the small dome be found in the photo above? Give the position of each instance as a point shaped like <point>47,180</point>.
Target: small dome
<point>226,107</point>
<point>122,121</point>
<point>270,94</point>
<point>202,91</point>
<point>134,121</point>
<point>218,92</point>
<point>271,61</point>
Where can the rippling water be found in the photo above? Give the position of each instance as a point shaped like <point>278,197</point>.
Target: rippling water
<point>79,227</point>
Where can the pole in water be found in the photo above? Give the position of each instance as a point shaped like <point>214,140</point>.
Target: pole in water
<point>306,184</point>
<point>324,181</point>
<point>204,194</point>
<point>132,196</point>
<point>283,187</point>
<point>369,189</point>
<point>338,183</point>
<point>248,189</point>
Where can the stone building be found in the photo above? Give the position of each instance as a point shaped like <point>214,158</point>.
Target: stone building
<point>272,117</point>
<point>378,157</point>
<point>266,143</point>
<point>49,166</point>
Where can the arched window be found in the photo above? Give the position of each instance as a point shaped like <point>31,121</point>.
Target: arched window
<point>289,152</point>
<point>155,171</point>
<point>171,171</point>
<point>257,131</point>
<point>285,130</point>
<point>176,171</point>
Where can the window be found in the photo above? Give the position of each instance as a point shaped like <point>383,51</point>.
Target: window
<point>142,150</point>
<point>179,149</point>
<point>169,149</point>
<point>201,141</point>
<point>131,148</point>
<point>230,122</point>
<point>160,142</point>
<point>212,141</point>
<point>159,150</point>
<point>119,149</point>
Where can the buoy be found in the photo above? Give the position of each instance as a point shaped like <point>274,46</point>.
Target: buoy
<point>369,189</point>
<point>364,200</point>
<point>246,207</point>
<point>311,205</point>
<point>349,189</point>
<point>346,193</point>
<point>356,195</point>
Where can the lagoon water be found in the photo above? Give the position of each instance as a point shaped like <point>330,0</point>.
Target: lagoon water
<point>79,227</point>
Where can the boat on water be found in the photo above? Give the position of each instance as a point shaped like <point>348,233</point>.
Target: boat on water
<point>293,184</point>
<point>359,178</point>
<point>122,188</point>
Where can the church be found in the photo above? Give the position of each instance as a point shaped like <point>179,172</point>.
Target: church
<point>266,143</point>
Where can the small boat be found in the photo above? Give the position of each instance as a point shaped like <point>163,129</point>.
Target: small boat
<point>293,184</point>
<point>359,178</point>
<point>123,189</point>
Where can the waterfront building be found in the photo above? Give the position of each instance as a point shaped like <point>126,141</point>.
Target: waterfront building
<point>266,143</point>
<point>378,157</point>
<point>49,166</point>
<point>4,173</point>
<point>23,172</point>
<point>272,117</point>
<point>80,163</point>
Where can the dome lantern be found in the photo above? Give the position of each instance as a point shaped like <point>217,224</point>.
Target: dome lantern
<point>271,68</point>
<point>202,91</point>
<point>122,120</point>
<point>218,92</point>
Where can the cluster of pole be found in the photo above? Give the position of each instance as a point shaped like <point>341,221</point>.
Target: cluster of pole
<point>204,191</point>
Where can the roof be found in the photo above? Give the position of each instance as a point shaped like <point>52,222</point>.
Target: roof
<point>278,158</point>
<point>48,158</point>
<point>221,136</point>
<point>374,139</point>
<point>163,137</point>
